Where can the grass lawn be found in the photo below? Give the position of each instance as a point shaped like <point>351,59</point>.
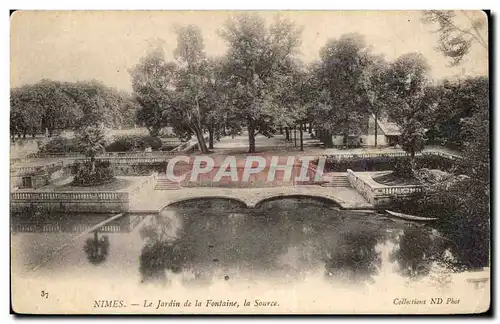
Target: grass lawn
<point>391,180</point>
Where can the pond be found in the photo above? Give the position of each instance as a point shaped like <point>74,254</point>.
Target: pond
<point>207,240</point>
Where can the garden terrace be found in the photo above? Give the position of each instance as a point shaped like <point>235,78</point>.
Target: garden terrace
<point>104,198</point>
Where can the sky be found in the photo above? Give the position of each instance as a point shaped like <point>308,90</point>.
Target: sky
<point>104,45</point>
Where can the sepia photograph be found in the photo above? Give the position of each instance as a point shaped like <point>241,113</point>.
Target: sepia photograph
<point>250,162</point>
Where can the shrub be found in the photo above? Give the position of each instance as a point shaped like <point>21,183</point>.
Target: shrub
<point>402,168</point>
<point>103,173</point>
<point>58,144</point>
<point>134,143</point>
<point>398,164</point>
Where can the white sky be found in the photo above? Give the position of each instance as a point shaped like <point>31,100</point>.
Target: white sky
<point>83,45</point>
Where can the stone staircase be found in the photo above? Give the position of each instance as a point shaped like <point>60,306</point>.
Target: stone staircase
<point>163,183</point>
<point>337,180</point>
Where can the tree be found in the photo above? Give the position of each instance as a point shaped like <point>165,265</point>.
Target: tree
<point>374,83</point>
<point>216,99</point>
<point>91,141</point>
<point>25,113</point>
<point>407,80</point>
<point>255,61</point>
<point>193,81</point>
<point>457,33</point>
<point>96,103</point>
<point>292,93</point>
<point>342,102</point>
<point>153,84</point>
<point>54,106</point>
<point>456,102</point>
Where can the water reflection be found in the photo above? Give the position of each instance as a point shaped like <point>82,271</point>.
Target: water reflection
<point>96,249</point>
<point>207,241</point>
<point>217,239</point>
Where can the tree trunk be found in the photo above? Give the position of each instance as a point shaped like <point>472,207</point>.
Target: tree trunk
<point>327,139</point>
<point>301,137</point>
<point>310,128</point>
<point>202,145</point>
<point>376,128</point>
<point>346,131</point>
<point>412,161</point>
<point>295,136</point>
<point>154,132</point>
<point>211,138</point>
<point>50,132</point>
<point>92,164</point>
<point>287,134</point>
<point>251,137</point>
<point>281,130</point>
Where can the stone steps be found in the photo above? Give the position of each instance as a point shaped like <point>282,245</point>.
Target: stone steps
<point>164,183</point>
<point>337,181</point>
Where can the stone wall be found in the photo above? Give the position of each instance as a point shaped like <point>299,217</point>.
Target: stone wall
<point>378,195</point>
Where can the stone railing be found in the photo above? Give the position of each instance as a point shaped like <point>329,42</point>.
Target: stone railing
<point>103,155</point>
<point>74,201</point>
<point>397,190</point>
<point>127,159</point>
<point>22,170</point>
<point>390,154</point>
<point>366,155</point>
<point>376,194</point>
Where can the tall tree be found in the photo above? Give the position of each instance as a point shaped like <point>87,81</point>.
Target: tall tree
<point>153,83</point>
<point>458,31</point>
<point>407,81</point>
<point>342,105</point>
<point>193,79</point>
<point>256,58</point>
<point>374,83</point>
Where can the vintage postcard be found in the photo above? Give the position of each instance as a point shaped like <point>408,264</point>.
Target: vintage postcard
<point>249,162</point>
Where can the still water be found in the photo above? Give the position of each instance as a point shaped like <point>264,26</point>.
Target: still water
<point>205,241</point>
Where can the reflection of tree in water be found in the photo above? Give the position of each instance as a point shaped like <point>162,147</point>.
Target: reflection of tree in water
<point>160,256</point>
<point>161,251</point>
<point>417,251</point>
<point>354,257</point>
<point>96,249</point>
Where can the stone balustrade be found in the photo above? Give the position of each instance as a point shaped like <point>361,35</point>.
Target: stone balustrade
<point>377,194</point>
<point>71,201</point>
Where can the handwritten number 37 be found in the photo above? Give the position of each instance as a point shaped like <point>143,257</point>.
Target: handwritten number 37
<point>45,294</point>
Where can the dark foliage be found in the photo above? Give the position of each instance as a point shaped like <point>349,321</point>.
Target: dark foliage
<point>158,257</point>
<point>85,176</point>
<point>398,164</point>
<point>58,144</point>
<point>96,249</point>
<point>134,143</point>
<point>463,212</point>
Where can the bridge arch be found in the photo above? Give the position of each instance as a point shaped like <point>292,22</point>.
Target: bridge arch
<point>329,200</point>
<point>174,202</point>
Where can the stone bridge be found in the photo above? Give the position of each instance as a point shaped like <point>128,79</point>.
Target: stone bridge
<point>345,198</point>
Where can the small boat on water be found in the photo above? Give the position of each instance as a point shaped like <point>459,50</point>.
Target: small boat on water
<point>410,217</point>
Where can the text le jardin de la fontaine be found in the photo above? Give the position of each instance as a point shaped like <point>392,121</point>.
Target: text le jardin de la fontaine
<point>158,304</point>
